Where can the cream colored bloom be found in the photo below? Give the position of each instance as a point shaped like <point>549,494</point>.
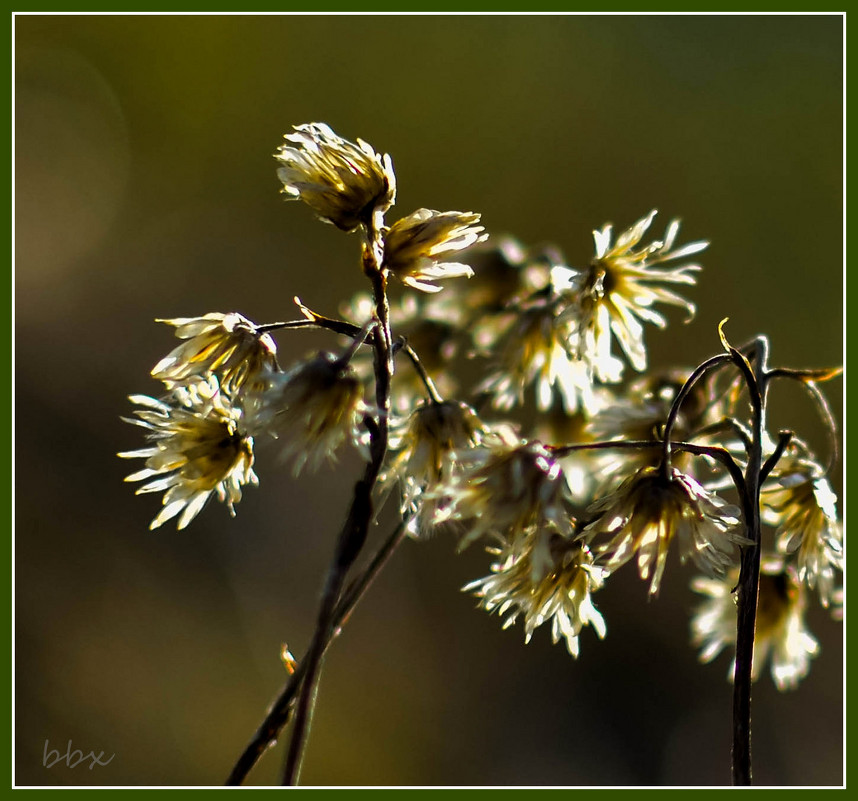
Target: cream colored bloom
<point>618,292</point>
<point>523,583</point>
<point>346,184</point>
<point>313,409</point>
<point>781,637</point>
<point>415,246</point>
<point>648,511</point>
<point>803,507</point>
<point>426,444</point>
<point>505,489</point>
<point>197,448</point>
<point>534,352</point>
<point>229,345</point>
<point>641,413</point>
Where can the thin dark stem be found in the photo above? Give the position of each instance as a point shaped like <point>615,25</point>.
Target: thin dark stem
<point>749,576</point>
<point>280,709</point>
<point>354,532</point>
<point>784,440</point>
<point>356,343</point>
<point>264,329</point>
<point>727,424</point>
<point>710,364</point>
<point>431,389</point>
<point>808,379</point>
<point>831,423</point>
<point>722,455</point>
<point>320,321</point>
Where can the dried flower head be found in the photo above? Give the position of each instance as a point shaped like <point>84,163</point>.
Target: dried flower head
<point>415,246</point>
<point>641,413</point>
<point>522,583</point>
<point>506,489</point>
<point>313,408</point>
<point>197,448</point>
<point>649,510</point>
<point>617,293</point>
<point>228,345</point>
<point>346,184</point>
<point>803,507</point>
<point>534,351</point>
<point>428,442</point>
<point>781,636</point>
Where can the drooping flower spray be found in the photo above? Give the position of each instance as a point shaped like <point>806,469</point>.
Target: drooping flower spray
<point>568,459</point>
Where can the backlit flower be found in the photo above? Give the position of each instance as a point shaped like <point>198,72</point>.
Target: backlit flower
<point>229,345</point>
<point>312,409</point>
<point>618,292</point>
<point>780,638</point>
<point>523,584</point>
<point>426,444</point>
<point>506,489</point>
<point>649,510</point>
<point>534,352</point>
<point>197,448</point>
<point>346,184</point>
<point>641,413</point>
<point>803,507</point>
<point>415,246</point>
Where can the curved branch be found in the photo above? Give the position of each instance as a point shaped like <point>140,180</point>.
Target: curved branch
<point>714,363</point>
<point>280,709</point>
<point>354,532</point>
<point>784,440</point>
<point>808,379</point>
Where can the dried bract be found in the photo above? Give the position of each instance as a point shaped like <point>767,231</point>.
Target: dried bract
<point>198,448</point>
<point>346,184</point>
<point>312,409</point>
<point>229,345</point>
<point>416,245</point>
<point>521,583</point>
<point>649,510</point>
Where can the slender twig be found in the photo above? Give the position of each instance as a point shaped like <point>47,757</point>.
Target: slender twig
<point>710,364</point>
<point>280,709</point>
<point>305,323</point>
<point>431,389</point>
<point>713,451</point>
<point>749,576</point>
<point>354,531</point>
<point>348,545</point>
<point>784,439</point>
<point>808,379</point>
<point>727,424</point>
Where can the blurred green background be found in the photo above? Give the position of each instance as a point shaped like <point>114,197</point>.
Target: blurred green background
<point>145,188</point>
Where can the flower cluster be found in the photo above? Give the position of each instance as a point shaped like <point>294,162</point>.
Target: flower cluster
<point>650,509</point>
<point>567,460</point>
<point>556,589</point>
<point>225,388</point>
<point>197,448</point>
<point>782,639</point>
<point>804,554</point>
